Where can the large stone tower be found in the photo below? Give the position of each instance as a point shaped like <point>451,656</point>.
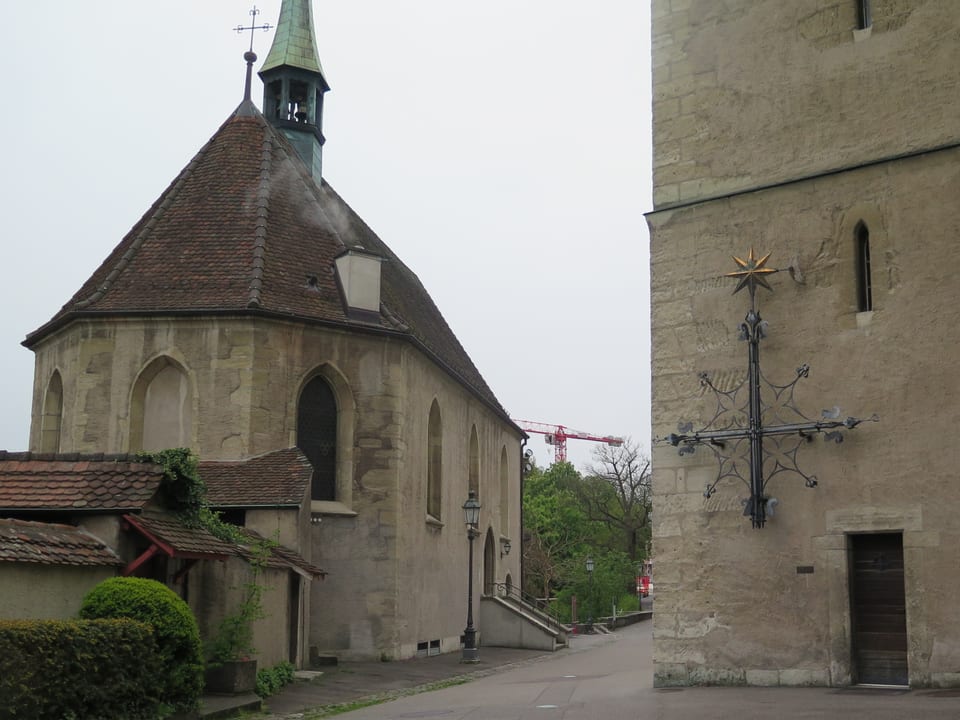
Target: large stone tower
<point>823,132</point>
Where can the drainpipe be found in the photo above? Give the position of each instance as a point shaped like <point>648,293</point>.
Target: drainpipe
<point>523,445</point>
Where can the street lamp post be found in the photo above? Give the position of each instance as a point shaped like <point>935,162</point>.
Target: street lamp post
<point>590,613</point>
<point>471,516</point>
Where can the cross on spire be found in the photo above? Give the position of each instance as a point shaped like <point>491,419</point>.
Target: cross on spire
<point>739,426</point>
<point>253,26</point>
<point>250,56</point>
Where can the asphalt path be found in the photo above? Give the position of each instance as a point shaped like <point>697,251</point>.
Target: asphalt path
<point>609,677</point>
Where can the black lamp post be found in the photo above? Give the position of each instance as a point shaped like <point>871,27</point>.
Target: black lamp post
<point>590,613</point>
<point>471,516</point>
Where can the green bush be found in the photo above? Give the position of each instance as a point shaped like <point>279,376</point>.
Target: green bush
<point>270,681</point>
<point>79,669</point>
<point>174,626</point>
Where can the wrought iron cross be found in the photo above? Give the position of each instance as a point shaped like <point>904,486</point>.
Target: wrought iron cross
<point>737,431</point>
<point>250,56</point>
<point>253,26</point>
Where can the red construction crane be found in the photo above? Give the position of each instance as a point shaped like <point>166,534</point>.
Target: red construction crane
<point>557,435</point>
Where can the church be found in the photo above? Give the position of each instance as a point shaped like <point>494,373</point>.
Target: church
<point>809,152</point>
<point>253,317</point>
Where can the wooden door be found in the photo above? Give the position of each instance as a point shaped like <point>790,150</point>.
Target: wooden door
<point>293,618</point>
<point>878,609</point>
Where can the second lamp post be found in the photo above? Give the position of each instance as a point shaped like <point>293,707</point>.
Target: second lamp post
<point>471,516</point>
<point>590,613</point>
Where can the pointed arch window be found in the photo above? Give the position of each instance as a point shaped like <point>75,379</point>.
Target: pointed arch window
<point>162,407</point>
<point>864,281</point>
<point>317,436</point>
<point>434,462</point>
<point>474,473</point>
<point>504,493</point>
<point>52,417</point>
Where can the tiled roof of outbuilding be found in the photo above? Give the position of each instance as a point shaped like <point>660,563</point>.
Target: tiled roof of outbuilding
<point>275,479</point>
<point>51,544</point>
<point>282,557</point>
<point>186,541</point>
<point>178,540</point>
<point>244,229</point>
<point>76,482</point>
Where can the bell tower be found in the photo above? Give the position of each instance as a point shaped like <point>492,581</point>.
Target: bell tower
<point>293,83</point>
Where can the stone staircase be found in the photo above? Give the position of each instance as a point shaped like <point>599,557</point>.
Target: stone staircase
<point>508,620</point>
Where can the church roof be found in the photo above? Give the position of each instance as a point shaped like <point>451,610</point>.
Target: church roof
<point>275,479</point>
<point>75,482</point>
<point>244,229</point>
<point>51,544</point>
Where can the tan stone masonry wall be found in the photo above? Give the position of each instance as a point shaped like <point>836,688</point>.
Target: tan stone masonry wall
<point>730,606</point>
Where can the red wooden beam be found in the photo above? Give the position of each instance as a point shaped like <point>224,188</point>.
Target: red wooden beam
<point>144,556</point>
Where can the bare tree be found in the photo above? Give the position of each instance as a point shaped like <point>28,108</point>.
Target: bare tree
<point>617,492</point>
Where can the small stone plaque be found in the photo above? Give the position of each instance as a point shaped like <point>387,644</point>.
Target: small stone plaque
<point>804,569</point>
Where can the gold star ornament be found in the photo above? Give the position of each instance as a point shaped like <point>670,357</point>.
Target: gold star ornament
<point>751,272</point>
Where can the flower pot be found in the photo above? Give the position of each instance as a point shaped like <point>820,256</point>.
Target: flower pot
<point>232,677</point>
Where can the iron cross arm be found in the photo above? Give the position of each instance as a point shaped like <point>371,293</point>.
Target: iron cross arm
<point>806,429</point>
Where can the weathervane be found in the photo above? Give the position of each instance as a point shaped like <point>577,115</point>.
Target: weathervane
<point>250,56</point>
<point>738,429</point>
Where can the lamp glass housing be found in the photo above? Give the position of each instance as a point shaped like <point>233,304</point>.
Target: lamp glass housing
<point>471,510</point>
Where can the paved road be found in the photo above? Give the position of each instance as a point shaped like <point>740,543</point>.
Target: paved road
<point>609,678</point>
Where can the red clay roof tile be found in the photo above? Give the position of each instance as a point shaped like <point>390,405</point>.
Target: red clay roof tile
<point>275,479</point>
<point>191,541</point>
<point>51,544</point>
<point>119,481</point>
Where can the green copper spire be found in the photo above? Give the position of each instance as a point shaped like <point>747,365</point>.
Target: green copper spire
<point>294,43</point>
<point>293,84</point>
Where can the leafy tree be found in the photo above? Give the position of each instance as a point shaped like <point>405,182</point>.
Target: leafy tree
<point>604,515</point>
<point>555,527</point>
<point>610,584</point>
<point>616,495</point>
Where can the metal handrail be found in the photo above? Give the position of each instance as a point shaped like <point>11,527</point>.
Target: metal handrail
<point>535,604</point>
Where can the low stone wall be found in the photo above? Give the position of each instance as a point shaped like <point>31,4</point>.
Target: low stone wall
<point>626,619</point>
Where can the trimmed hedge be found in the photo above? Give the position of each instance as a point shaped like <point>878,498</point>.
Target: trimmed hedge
<point>79,669</point>
<point>174,626</point>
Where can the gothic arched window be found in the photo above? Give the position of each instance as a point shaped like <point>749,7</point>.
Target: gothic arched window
<point>317,436</point>
<point>434,462</point>
<point>474,473</point>
<point>52,415</point>
<point>504,493</point>
<point>162,407</point>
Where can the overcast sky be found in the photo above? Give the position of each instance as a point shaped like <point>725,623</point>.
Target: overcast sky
<point>501,149</point>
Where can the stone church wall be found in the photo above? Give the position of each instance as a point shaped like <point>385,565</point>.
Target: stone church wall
<point>433,557</point>
<point>753,92</point>
<point>731,605</point>
<point>394,579</point>
<point>781,127</point>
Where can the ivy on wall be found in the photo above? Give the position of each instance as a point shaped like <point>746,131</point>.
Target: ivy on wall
<point>182,491</point>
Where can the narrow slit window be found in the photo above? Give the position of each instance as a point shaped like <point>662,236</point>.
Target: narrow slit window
<point>434,462</point>
<point>864,19</point>
<point>864,283</point>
